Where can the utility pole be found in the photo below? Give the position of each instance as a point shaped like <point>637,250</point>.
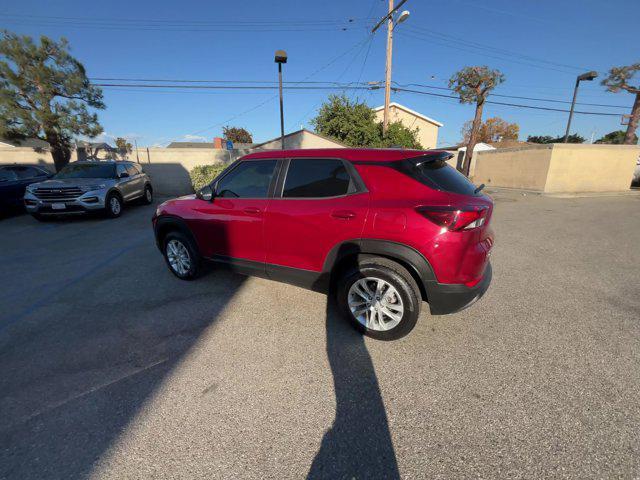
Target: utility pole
<point>387,80</point>
<point>387,71</point>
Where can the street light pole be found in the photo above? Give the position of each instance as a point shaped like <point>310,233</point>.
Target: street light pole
<point>387,82</point>
<point>281,57</point>
<point>585,76</point>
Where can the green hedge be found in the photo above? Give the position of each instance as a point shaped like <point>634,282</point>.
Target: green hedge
<point>204,174</point>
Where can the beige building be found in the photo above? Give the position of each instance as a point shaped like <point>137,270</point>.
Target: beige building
<point>427,127</point>
<point>299,139</point>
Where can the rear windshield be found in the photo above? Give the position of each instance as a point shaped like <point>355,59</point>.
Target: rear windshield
<point>88,170</point>
<point>442,176</point>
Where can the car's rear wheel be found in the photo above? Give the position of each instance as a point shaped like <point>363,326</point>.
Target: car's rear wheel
<point>182,256</point>
<point>380,298</point>
<point>147,198</point>
<point>113,205</point>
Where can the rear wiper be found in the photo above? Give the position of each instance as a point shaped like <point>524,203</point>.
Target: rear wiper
<point>478,189</point>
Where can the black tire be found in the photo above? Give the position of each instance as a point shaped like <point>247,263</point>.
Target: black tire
<point>110,210</point>
<point>395,275</point>
<point>195,261</point>
<point>147,196</point>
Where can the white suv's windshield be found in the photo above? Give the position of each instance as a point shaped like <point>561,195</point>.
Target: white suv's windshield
<point>87,170</point>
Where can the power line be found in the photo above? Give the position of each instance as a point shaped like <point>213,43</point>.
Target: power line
<point>265,84</point>
<point>506,104</point>
<point>346,87</point>
<point>518,96</point>
<point>315,72</point>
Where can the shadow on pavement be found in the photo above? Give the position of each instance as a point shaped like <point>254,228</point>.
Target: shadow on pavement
<point>358,444</point>
<point>81,362</point>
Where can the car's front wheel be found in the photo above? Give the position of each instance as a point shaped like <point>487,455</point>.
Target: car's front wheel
<point>181,255</point>
<point>113,205</point>
<point>380,297</point>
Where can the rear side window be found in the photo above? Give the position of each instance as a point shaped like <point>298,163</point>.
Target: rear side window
<point>250,179</point>
<point>442,176</point>
<point>316,178</point>
<point>7,175</point>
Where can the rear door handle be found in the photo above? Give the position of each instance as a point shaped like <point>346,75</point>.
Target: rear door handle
<point>252,210</point>
<point>343,214</point>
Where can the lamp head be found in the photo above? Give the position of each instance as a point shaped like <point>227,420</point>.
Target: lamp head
<point>403,16</point>
<point>588,76</point>
<point>281,56</point>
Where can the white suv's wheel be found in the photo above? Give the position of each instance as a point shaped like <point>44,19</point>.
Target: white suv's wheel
<point>113,205</point>
<point>147,198</point>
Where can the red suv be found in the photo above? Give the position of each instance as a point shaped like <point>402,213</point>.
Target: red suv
<point>384,229</point>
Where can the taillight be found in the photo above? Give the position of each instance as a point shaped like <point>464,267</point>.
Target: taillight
<point>455,219</point>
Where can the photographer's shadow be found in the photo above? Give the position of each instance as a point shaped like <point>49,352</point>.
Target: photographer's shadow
<point>358,444</point>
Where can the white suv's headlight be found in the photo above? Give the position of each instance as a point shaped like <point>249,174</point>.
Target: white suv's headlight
<point>90,188</point>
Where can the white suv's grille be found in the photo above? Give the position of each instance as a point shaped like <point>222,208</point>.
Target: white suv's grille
<point>57,193</point>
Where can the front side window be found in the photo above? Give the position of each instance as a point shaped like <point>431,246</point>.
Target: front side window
<point>131,170</point>
<point>250,179</point>
<point>87,170</point>
<point>316,178</point>
<point>120,169</point>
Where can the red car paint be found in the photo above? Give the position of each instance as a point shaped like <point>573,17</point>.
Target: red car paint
<point>300,233</point>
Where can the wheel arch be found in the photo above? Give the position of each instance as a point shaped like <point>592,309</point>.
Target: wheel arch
<point>167,223</point>
<point>346,253</point>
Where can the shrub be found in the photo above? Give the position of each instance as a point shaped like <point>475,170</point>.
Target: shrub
<point>202,175</point>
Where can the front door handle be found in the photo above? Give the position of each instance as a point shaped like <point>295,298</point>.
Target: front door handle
<point>343,214</point>
<point>252,210</point>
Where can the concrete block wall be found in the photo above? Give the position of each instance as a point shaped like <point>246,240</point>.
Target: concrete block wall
<point>559,168</point>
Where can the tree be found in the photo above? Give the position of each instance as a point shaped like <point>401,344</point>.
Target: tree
<point>354,123</point>
<point>44,93</point>
<point>397,136</point>
<point>616,138</point>
<point>574,138</point>
<point>493,130</point>
<point>123,146</point>
<point>237,134</point>
<point>617,80</point>
<point>473,84</point>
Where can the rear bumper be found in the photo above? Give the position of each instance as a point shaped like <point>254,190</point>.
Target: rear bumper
<point>447,298</point>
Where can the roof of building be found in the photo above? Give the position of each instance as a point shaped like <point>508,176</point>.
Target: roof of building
<point>26,142</point>
<point>297,132</point>
<point>236,146</point>
<point>412,112</point>
<point>96,145</point>
<point>352,154</point>
<point>190,145</point>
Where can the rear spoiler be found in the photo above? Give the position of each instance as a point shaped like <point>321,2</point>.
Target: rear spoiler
<point>431,157</point>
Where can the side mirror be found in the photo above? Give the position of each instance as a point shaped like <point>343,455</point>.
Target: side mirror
<point>205,193</point>
<point>123,175</point>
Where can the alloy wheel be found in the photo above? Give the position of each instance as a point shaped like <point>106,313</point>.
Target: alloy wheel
<point>375,304</point>
<point>114,205</point>
<point>178,256</point>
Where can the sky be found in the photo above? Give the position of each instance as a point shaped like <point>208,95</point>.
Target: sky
<point>539,45</point>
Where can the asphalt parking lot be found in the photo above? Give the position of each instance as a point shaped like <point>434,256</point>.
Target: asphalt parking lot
<point>112,368</point>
